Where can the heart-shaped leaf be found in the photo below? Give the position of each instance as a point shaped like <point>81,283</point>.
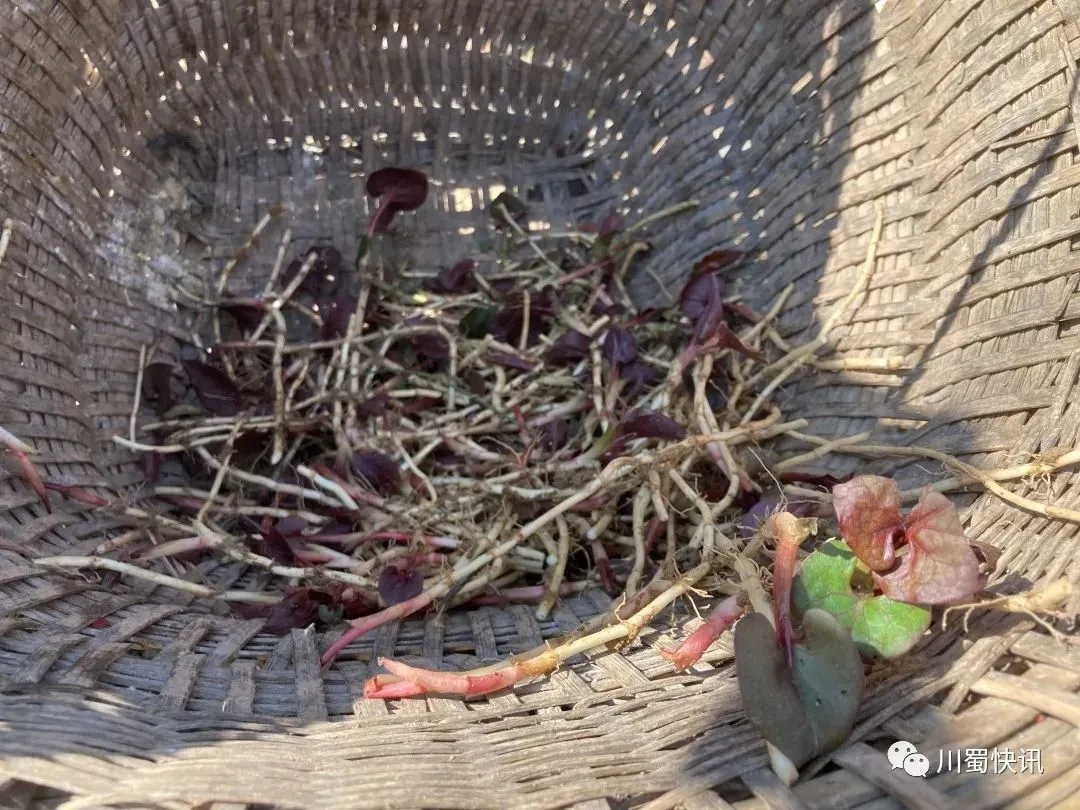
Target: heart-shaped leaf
<point>477,322</point>
<point>336,321</point>
<point>214,388</point>
<point>700,293</point>
<point>651,425</point>
<point>508,360</point>
<point>619,346</point>
<point>868,508</point>
<point>297,609</point>
<point>609,227</point>
<point>157,386</point>
<point>568,348</point>
<point>812,710</point>
<point>378,470</point>
<point>507,208</point>
<point>397,585</point>
<point>396,190</point>
<point>638,376</point>
<point>323,278</point>
<point>717,260</point>
<point>453,280</point>
<point>247,316</point>
<point>940,566</point>
<point>276,547</point>
<point>880,626</point>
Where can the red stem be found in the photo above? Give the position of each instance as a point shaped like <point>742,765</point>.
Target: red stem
<point>785,527</point>
<point>447,683</point>
<point>76,494</point>
<point>656,526</point>
<point>725,614</point>
<point>603,566</point>
<point>30,473</point>
<point>366,624</point>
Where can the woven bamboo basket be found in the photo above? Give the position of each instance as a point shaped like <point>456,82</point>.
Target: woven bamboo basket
<point>790,121</point>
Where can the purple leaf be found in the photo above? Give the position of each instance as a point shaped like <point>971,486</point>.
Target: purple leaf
<point>818,479</point>
<point>554,434</point>
<point>510,320</point>
<point>397,586</point>
<point>723,337</point>
<point>702,302</point>
<point>396,190</point>
<point>453,280</point>
<point>325,275</point>
<point>509,360</point>
<point>214,388</point>
<point>619,346</point>
<point>700,293</point>
<point>708,304</point>
<point>768,506</point>
<point>568,348</point>
<point>638,372</point>
<point>517,210</point>
<point>296,610</point>
<point>609,227</point>
<point>717,260</point>
<point>940,566</point>
<point>868,508</point>
<point>276,547</point>
<point>337,316</point>
<point>651,425</point>
<point>743,311</point>
<point>474,380</point>
<point>374,406</point>
<point>378,470</point>
<point>646,315</point>
<point>291,526</point>
<point>336,320</point>
<point>247,316</point>
<point>613,309</point>
<point>157,386</point>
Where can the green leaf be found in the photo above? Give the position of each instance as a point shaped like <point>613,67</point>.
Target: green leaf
<point>808,712</point>
<point>362,248</point>
<point>506,208</point>
<point>330,616</point>
<point>602,443</point>
<point>477,323</point>
<point>880,626</point>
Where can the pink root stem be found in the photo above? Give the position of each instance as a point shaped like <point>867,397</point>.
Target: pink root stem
<point>472,684</point>
<point>656,528</point>
<point>356,492</point>
<point>368,623</point>
<point>77,494</point>
<point>785,527</point>
<point>384,687</point>
<point>725,614</point>
<point>19,449</point>
<point>603,566</point>
<point>315,554</point>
